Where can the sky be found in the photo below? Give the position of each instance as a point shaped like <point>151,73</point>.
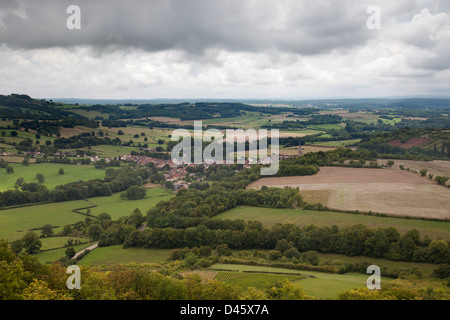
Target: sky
<point>225,49</point>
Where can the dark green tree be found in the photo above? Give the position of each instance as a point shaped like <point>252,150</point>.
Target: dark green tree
<point>136,218</point>
<point>47,230</point>
<point>441,180</point>
<point>223,250</point>
<point>17,246</point>
<point>19,183</point>
<point>135,193</point>
<point>40,177</point>
<point>94,231</point>
<point>26,161</point>
<point>31,243</point>
<point>70,252</point>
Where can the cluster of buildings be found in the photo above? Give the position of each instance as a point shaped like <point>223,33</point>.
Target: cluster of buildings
<point>176,174</point>
<point>144,160</point>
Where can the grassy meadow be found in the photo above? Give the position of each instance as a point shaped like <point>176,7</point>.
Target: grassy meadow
<point>23,135</point>
<point>118,207</point>
<point>269,217</point>
<point>14,223</point>
<point>52,255</point>
<point>316,284</point>
<point>118,255</point>
<point>50,171</point>
<point>425,268</point>
<point>59,242</point>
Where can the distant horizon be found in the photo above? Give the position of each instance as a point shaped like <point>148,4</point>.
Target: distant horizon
<point>262,100</point>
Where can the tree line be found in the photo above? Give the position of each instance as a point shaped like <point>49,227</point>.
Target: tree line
<point>286,239</point>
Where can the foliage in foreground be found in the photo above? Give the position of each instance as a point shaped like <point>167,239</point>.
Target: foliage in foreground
<point>401,289</point>
<point>24,278</point>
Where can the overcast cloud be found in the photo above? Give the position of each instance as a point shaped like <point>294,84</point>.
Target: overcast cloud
<point>224,49</point>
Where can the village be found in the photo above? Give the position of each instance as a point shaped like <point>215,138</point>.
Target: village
<point>175,173</point>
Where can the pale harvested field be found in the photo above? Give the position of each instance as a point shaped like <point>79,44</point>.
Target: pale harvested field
<point>15,159</point>
<point>437,168</point>
<point>309,149</point>
<point>160,119</point>
<point>346,175</point>
<point>351,115</point>
<point>417,118</point>
<point>287,134</point>
<point>289,151</point>
<point>167,120</point>
<point>378,190</point>
<point>293,151</point>
<point>305,149</point>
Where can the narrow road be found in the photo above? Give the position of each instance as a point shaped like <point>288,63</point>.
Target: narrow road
<point>95,245</point>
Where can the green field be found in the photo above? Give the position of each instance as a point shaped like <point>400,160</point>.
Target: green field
<point>90,114</point>
<point>118,255</point>
<point>328,286</point>
<point>341,143</point>
<point>325,127</point>
<point>6,146</point>
<point>112,151</point>
<point>259,280</point>
<point>53,255</point>
<point>245,121</point>
<point>425,268</point>
<point>118,207</point>
<point>320,285</point>
<point>269,217</point>
<point>22,135</point>
<point>391,122</point>
<point>300,132</point>
<point>50,171</point>
<point>14,223</point>
<point>58,242</point>
<point>152,135</point>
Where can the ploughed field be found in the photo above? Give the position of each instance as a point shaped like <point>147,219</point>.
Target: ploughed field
<point>436,167</point>
<point>387,191</point>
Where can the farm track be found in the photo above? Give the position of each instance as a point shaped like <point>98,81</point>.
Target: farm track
<point>94,246</point>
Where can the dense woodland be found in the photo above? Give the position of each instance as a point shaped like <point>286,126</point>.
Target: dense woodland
<point>187,111</point>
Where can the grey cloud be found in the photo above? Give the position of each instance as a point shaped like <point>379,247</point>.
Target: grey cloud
<point>304,27</point>
<point>223,48</point>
